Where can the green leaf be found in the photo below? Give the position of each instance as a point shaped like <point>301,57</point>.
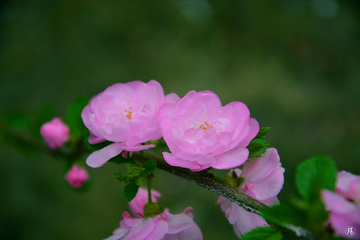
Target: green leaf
<point>257,146</point>
<point>284,214</point>
<point>149,167</point>
<point>42,115</point>
<point>73,116</point>
<point>15,119</point>
<point>319,172</point>
<point>130,190</point>
<point>262,132</point>
<point>122,177</point>
<point>263,233</point>
<point>134,176</point>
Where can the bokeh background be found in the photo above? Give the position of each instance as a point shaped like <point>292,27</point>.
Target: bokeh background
<point>294,63</point>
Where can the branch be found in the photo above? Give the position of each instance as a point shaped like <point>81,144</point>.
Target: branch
<point>208,181</point>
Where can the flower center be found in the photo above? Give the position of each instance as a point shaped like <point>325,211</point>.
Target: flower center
<point>205,126</point>
<point>129,112</point>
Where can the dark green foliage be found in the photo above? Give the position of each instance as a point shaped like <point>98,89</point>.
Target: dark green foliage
<point>130,190</point>
<point>308,212</point>
<point>15,119</point>
<point>42,115</point>
<point>149,167</point>
<point>263,233</point>
<point>136,176</point>
<point>73,116</point>
<point>258,145</point>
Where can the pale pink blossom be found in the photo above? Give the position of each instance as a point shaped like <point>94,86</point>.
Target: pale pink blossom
<point>77,176</point>
<point>126,114</point>
<point>141,199</point>
<point>201,133</point>
<point>55,133</point>
<point>262,178</point>
<point>164,226</point>
<point>344,204</point>
<point>348,185</point>
<point>343,213</point>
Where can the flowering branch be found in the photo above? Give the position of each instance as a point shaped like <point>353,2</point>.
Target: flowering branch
<point>207,181</point>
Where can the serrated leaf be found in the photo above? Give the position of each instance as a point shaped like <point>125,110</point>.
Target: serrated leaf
<point>42,115</point>
<point>122,177</point>
<point>257,146</point>
<point>130,191</point>
<point>73,116</point>
<point>317,171</point>
<point>263,233</point>
<point>149,167</point>
<point>262,132</point>
<point>134,176</point>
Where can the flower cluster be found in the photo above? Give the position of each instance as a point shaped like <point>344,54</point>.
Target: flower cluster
<point>261,178</point>
<point>199,131</point>
<point>344,205</point>
<point>163,226</point>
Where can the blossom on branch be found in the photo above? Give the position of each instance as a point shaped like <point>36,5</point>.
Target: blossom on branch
<point>261,178</point>
<point>344,204</point>
<point>126,114</point>
<point>201,133</point>
<point>77,176</point>
<point>55,133</point>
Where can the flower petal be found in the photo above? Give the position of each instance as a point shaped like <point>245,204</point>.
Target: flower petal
<point>179,223</point>
<point>199,158</point>
<point>248,221</point>
<point>231,159</point>
<point>100,157</point>
<point>172,98</point>
<point>178,162</point>
<point>159,231</point>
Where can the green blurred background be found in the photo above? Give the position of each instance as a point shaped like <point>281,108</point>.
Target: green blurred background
<point>294,63</point>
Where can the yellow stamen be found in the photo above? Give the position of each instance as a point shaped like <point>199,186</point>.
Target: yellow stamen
<point>128,115</point>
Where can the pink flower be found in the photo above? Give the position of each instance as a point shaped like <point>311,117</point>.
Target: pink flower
<point>201,133</point>
<point>344,213</point>
<point>55,133</point>
<point>262,178</point>
<point>164,226</point>
<point>77,176</point>
<point>348,185</point>
<point>126,114</point>
<point>344,204</point>
<point>140,200</point>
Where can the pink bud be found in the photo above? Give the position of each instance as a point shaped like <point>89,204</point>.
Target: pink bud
<point>76,176</point>
<point>55,133</point>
